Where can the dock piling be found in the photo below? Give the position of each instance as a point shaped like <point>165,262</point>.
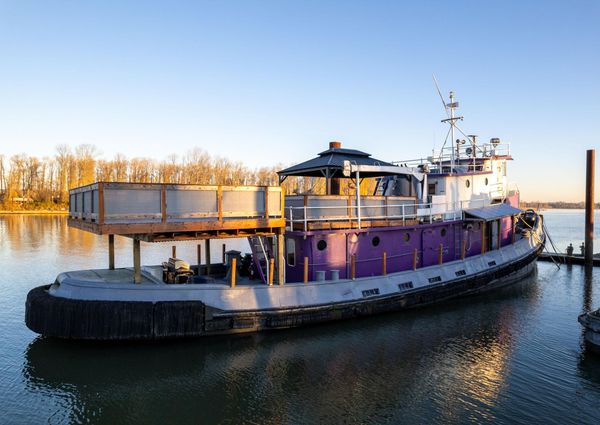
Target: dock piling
<point>223,253</point>
<point>589,207</point>
<point>199,247</point>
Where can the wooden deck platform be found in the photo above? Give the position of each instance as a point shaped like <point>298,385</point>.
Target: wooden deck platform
<point>170,212</point>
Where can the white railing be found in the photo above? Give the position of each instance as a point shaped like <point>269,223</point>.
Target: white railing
<point>450,211</point>
<point>462,152</point>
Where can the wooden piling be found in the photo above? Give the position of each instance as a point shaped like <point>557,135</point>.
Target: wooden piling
<point>415,254</point>
<point>589,207</point>
<point>111,252</point>
<point>384,264</point>
<point>137,262</point>
<point>305,269</point>
<point>174,251</point>
<point>463,249</point>
<point>353,266</point>
<point>223,253</point>
<point>233,272</point>
<point>207,256</point>
<point>441,254</point>
<point>271,270</point>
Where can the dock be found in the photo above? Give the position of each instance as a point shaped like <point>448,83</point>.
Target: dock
<point>568,259</point>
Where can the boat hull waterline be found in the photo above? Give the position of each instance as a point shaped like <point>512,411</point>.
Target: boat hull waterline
<point>170,311</point>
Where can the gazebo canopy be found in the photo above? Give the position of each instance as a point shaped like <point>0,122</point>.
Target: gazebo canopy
<point>330,164</point>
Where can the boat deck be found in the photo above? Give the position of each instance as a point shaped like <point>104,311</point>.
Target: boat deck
<point>151,275</point>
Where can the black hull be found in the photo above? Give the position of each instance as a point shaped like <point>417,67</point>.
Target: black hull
<point>129,320</point>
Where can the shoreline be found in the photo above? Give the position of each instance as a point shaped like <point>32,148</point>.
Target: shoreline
<point>33,212</point>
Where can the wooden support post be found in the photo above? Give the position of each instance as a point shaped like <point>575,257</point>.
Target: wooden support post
<point>223,253</point>
<point>207,255</point>
<point>220,202</point>
<point>483,237</point>
<point>499,233</point>
<point>305,269</point>
<point>137,262</point>
<point>589,207</point>
<point>199,257</point>
<point>384,264</point>
<point>174,251</point>
<point>441,254</point>
<point>233,271</point>
<point>163,203</point>
<point>101,203</point>
<point>353,266</point>
<point>111,252</point>
<point>280,258</point>
<point>415,254</point>
<point>271,270</point>
<point>463,249</point>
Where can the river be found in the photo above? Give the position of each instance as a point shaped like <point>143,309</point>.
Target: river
<point>511,356</point>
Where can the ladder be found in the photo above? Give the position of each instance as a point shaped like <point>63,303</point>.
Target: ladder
<point>262,251</point>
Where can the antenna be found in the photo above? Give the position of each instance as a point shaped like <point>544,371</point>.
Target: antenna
<point>437,86</point>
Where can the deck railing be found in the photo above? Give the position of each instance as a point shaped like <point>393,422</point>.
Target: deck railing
<point>107,203</point>
<point>301,216</point>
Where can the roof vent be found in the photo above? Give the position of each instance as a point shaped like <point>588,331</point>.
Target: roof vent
<point>335,145</point>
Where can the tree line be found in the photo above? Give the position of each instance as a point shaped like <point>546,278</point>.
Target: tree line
<point>30,182</point>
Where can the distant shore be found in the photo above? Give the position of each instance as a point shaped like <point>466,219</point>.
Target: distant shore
<point>34,212</point>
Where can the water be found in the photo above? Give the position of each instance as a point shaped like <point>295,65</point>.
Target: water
<point>512,356</point>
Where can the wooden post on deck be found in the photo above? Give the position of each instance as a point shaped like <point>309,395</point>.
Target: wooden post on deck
<point>463,249</point>
<point>111,252</point>
<point>271,270</point>
<point>415,254</point>
<point>353,266</point>
<point>207,255</point>
<point>305,269</point>
<point>384,264</point>
<point>174,251</point>
<point>233,271</point>
<point>589,207</point>
<point>280,259</point>
<point>223,253</point>
<point>137,262</point>
<point>441,254</point>
<point>199,247</point>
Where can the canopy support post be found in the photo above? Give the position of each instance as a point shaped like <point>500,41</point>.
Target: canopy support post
<point>111,252</point>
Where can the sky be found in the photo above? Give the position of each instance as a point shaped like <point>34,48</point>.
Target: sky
<point>273,82</point>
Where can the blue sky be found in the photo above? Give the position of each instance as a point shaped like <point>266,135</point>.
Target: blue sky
<point>267,82</point>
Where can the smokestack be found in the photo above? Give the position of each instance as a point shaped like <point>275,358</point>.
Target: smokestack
<point>335,182</point>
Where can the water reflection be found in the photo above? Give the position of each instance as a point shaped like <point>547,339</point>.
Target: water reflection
<point>429,365</point>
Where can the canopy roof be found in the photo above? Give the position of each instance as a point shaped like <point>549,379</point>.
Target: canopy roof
<point>493,212</point>
<point>330,163</point>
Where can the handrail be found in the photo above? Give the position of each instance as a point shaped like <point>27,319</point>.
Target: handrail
<point>420,210</point>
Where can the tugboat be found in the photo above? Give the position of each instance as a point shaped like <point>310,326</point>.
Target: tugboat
<point>428,231</point>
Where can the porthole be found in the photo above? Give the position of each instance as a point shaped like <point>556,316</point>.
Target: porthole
<point>468,183</point>
<point>321,245</point>
<point>486,181</point>
<point>375,241</point>
<point>406,237</point>
<point>443,232</point>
